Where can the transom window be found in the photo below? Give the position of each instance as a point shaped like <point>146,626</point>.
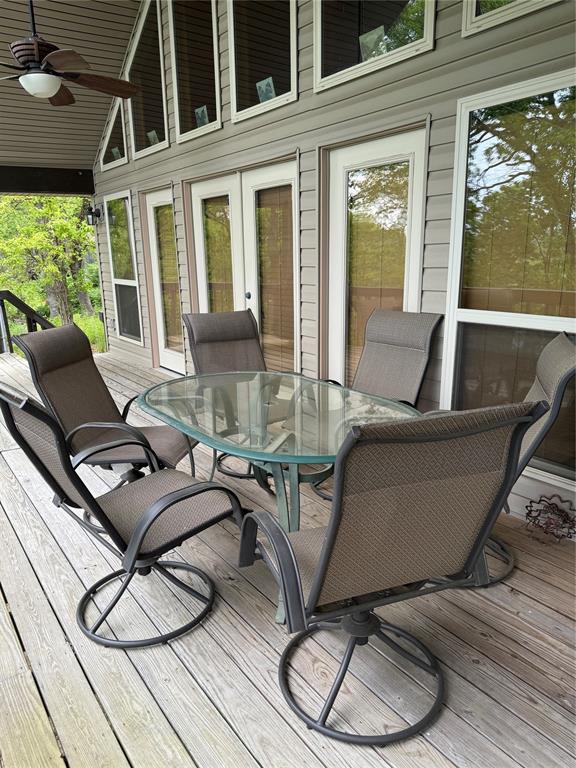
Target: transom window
<point>115,144</point>
<point>146,70</point>
<point>262,41</point>
<point>193,29</point>
<point>478,15</point>
<point>354,37</point>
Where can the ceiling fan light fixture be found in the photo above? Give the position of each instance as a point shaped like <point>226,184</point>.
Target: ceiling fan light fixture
<point>40,84</point>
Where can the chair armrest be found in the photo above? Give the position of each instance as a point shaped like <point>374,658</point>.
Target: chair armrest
<point>331,381</point>
<point>152,460</point>
<point>164,503</point>
<point>285,570</point>
<point>134,432</point>
<point>127,407</point>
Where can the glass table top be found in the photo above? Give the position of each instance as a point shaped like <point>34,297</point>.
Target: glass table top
<point>267,416</point>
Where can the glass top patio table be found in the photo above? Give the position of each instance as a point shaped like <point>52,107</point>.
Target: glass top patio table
<point>267,416</point>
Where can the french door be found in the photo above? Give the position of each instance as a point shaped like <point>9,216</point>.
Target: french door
<point>246,254</point>
<point>375,242</point>
<point>164,262</point>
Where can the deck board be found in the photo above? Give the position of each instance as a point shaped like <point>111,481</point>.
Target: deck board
<point>212,699</point>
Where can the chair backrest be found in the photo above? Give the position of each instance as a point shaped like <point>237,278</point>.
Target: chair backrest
<point>224,341</point>
<point>68,381</point>
<point>395,354</point>
<point>555,368</point>
<point>39,435</point>
<point>415,500</point>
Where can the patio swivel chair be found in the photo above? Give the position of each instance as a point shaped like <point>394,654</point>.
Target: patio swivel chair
<point>142,520</point>
<point>555,368</point>
<point>414,503</point>
<point>223,342</point>
<point>72,388</point>
<point>394,358</point>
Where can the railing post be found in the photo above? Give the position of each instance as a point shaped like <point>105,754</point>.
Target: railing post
<point>5,340</point>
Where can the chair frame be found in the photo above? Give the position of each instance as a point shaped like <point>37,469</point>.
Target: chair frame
<point>133,561</point>
<point>135,472</point>
<point>355,616</point>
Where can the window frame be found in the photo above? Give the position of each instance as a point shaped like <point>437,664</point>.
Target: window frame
<point>277,101</point>
<point>115,281</point>
<point>118,106</point>
<point>137,154</point>
<point>472,24</point>
<point>378,62</point>
<point>455,315</point>
<point>215,124</point>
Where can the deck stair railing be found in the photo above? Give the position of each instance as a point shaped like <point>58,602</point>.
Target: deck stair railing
<point>33,319</point>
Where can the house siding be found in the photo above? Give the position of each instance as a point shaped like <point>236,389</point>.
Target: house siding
<point>421,90</point>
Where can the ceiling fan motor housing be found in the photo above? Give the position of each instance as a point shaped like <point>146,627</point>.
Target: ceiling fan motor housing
<point>31,50</point>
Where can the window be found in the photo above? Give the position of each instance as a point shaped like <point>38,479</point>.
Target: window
<point>483,14</point>
<point>146,69</point>
<point>114,141</point>
<point>218,253</point>
<point>123,267</point>
<point>512,276</point>
<point>354,37</point>
<point>194,36</point>
<point>262,41</point>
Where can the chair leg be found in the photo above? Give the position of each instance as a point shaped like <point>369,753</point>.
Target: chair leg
<point>359,629</point>
<point>319,492</point>
<point>161,567</point>
<point>224,470</point>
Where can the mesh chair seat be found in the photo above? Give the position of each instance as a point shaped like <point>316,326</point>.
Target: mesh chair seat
<point>125,506</point>
<point>167,443</point>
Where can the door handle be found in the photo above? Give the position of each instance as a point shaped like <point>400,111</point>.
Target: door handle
<point>248,295</point>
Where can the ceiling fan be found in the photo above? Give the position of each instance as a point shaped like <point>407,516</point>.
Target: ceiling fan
<point>45,67</point>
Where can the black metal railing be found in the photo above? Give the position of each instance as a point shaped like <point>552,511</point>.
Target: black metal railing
<point>33,319</point>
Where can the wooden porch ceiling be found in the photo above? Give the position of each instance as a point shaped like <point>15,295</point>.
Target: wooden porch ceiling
<point>32,132</point>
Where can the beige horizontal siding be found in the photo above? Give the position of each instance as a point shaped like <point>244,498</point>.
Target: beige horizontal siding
<point>429,84</point>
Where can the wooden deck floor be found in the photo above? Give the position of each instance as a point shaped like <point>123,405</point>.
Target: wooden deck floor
<point>211,699</point>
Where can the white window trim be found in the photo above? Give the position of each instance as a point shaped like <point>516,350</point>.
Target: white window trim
<point>231,187</point>
<point>454,314</point>
<point>278,101</point>
<point>114,281</point>
<point>472,24</point>
<point>372,65</point>
<point>137,154</point>
<point>215,124</point>
<point>412,146</point>
<point>113,114</point>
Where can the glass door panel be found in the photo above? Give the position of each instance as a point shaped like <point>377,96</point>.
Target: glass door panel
<point>376,248</point>
<point>165,278</point>
<point>218,253</point>
<point>375,240</point>
<point>275,256</point>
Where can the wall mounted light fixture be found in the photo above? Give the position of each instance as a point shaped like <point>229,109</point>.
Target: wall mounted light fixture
<point>92,216</point>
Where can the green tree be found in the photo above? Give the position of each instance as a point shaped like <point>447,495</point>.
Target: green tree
<point>44,245</point>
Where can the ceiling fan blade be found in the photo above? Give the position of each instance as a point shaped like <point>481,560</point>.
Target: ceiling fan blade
<point>62,98</point>
<point>11,66</point>
<point>10,77</point>
<point>110,85</point>
<point>65,58</point>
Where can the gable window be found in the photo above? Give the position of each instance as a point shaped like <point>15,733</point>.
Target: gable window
<point>513,261</point>
<point>115,141</point>
<point>478,15</point>
<point>262,42</point>
<point>193,31</point>
<point>146,69</point>
<point>123,266</point>
<point>355,37</point>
